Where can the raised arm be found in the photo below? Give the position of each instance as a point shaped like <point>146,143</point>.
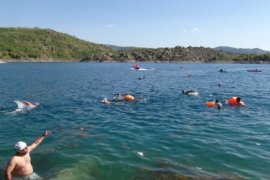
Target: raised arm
<point>38,141</point>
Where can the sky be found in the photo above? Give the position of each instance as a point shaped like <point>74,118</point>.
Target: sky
<point>148,23</point>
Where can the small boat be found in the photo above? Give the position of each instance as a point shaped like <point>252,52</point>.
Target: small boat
<point>254,70</point>
<point>136,67</point>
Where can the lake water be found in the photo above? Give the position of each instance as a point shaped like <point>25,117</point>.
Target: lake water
<point>177,134</point>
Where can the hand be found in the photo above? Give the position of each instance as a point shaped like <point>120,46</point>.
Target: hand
<point>46,133</point>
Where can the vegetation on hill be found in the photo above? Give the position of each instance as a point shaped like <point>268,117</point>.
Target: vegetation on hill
<point>160,54</point>
<point>177,54</point>
<point>252,58</point>
<point>44,44</point>
<point>34,44</point>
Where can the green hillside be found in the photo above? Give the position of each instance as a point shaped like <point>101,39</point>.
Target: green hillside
<point>44,44</point>
<point>34,44</point>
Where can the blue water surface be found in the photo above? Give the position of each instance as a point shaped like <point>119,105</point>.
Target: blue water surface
<point>177,134</point>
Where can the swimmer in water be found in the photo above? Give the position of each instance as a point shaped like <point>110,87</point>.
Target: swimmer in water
<point>28,104</point>
<point>118,96</point>
<point>25,105</point>
<point>20,163</point>
<point>235,101</point>
<point>141,77</point>
<point>240,102</point>
<point>190,93</point>
<point>218,104</point>
<point>105,101</point>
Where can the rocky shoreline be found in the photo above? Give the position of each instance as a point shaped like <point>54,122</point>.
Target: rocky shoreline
<point>133,61</point>
<point>176,55</point>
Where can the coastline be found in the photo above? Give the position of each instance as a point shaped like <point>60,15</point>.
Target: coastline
<point>130,61</point>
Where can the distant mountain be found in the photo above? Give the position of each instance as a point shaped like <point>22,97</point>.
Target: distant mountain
<point>35,44</point>
<point>118,48</point>
<point>241,50</point>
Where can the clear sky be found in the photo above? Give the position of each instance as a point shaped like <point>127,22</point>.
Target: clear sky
<point>148,23</point>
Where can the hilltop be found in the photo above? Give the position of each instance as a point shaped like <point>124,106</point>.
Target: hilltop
<point>242,50</point>
<point>34,44</point>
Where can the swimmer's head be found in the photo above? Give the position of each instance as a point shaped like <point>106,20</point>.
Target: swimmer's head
<point>21,147</point>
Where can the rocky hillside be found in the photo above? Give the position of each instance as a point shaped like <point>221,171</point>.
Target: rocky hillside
<point>34,44</point>
<point>178,54</point>
<point>196,54</point>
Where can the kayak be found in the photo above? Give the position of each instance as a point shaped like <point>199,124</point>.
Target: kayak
<point>254,70</point>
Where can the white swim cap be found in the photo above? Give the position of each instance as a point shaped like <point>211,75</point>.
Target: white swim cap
<point>20,146</point>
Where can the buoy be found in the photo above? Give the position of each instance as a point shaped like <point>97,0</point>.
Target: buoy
<point>210,103</point>
<point>232,101</point>
<point>129,98</point>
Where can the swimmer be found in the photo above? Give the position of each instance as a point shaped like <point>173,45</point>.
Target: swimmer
<point>222,71</point>
<point>141,77</point>
<point>118,96</point>
<point>20,164</point>
<point>240,102</point>
<point>190,93</point>
<point>105,101</point>
<point>28,104</point>
<point>235,101</point>
<point>218,104</point>
<point>25,105</point>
